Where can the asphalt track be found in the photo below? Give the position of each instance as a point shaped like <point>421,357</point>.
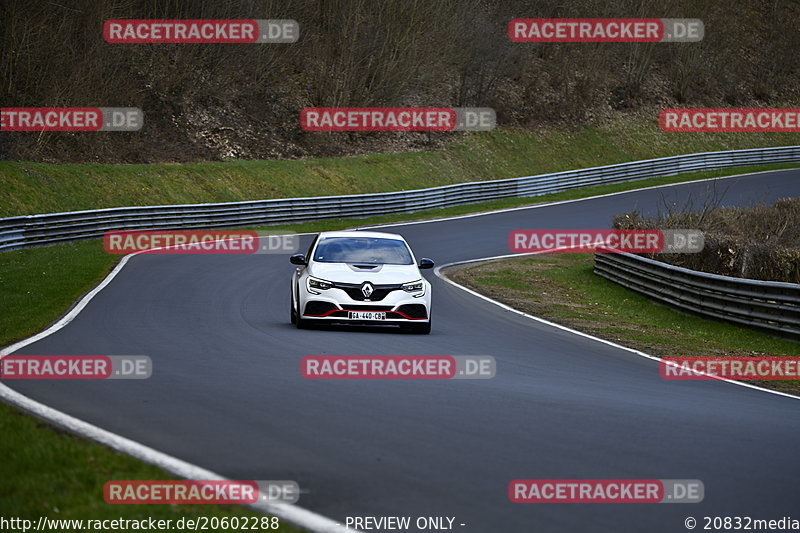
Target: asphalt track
<point>226,391</point>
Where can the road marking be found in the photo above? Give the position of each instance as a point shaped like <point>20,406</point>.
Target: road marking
<point>441,275</point>
<point>291,513</point>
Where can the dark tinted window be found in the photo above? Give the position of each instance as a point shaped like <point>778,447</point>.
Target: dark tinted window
<point>362,250</point>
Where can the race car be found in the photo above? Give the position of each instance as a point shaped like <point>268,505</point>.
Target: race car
<point>361,277</point>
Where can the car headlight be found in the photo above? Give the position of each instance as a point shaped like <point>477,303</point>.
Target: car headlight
<point>318,284</point>
<point>415,287</point>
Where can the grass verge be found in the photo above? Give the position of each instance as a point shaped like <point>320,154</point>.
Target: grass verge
<point>41,283</point>
<point>507,203</point>
<point>45,472</point>
<point>31,188</point>
<point>49,473</point>
<point>562,288</point>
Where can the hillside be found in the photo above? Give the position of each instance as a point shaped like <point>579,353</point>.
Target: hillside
<point>237,101</point>
<point>29,187</point>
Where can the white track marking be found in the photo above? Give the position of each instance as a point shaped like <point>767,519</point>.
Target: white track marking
<point>440,274</point>
<point>291,513</point>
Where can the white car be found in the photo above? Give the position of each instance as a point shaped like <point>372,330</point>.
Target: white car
<point>361,277</point>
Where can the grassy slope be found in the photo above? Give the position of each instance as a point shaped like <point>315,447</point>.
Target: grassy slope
<point>46,472</point>
<point>41,283</point>
<point>29,188</point>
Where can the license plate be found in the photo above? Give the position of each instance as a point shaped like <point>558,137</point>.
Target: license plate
<point>366,315</point>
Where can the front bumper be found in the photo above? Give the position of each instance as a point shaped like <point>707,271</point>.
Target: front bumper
<point>399,307</point>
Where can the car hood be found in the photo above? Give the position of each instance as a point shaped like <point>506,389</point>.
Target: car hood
<point>380,275</point>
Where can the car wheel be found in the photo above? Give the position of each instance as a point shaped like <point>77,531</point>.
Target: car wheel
<point>299,321</point>
<point>293,312</point>
<point>420,329</point>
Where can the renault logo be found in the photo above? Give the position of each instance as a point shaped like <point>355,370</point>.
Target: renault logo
<point>367,289</point>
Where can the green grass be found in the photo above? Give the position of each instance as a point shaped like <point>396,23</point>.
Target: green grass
<point>563,288</point>
<point>45,472</point>
<point>506,203</point>
<point>39,284</point>
<point>29,188</point>
<point>48,473</point>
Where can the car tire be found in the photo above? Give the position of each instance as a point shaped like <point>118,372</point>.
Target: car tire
<point>420,329</point>
<point>300,322</point>
<point>296,319</point>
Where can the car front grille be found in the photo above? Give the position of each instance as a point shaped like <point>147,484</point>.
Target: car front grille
<point>367,307</point>
<point>379,292</point>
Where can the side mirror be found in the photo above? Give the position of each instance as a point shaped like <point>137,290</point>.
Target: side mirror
<point>425,263</point>
<point>298,259</point>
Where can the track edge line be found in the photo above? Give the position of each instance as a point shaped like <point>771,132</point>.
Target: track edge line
<point>293,514</point>
<point>438,272</point>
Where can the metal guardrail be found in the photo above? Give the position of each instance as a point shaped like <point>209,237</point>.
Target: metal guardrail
<point>21,231</point>
<point>767,305</point>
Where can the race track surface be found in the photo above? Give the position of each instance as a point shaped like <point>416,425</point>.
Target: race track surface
<point>227,394</point>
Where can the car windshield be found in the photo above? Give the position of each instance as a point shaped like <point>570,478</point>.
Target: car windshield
<point>364,250</point>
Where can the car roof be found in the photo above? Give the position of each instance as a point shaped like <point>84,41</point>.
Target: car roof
<point>394,236</point>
